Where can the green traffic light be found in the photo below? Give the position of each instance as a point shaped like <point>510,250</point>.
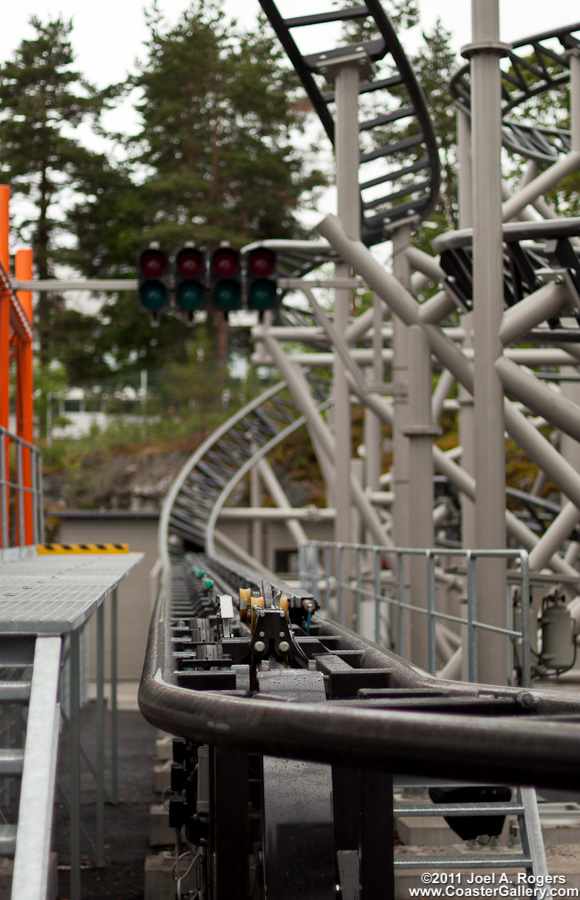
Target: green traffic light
<point>190,295</point>
<point>153,295</point>
<point>262,294</point>
<point>227,294</point>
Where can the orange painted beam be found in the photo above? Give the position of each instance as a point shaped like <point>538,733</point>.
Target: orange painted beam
<point>24,391</point>
<point>5,335</point>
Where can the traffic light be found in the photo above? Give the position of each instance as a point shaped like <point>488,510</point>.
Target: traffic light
<point>153,277</point>
<point>261,274</point>
<point>190,278</point>
<point>226,287</point>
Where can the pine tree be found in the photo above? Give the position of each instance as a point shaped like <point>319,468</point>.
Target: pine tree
<point>217,137</point>
<point>214,161</point>
<point>42,100</point>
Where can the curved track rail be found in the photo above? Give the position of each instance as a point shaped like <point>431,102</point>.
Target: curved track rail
<point>537,65</point>
<point>382,711</point>
<point>400,175</point>
<point>245,437</point>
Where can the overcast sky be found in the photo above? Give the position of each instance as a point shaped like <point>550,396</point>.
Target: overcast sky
<point>108,36</point>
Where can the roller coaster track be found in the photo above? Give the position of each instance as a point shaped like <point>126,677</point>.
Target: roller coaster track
<point>537,65</point>
<point>245,670</point>
<point>209,473</point>
<point>403,167</point>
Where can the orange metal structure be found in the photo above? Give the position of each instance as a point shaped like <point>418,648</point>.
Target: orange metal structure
<point>16,337</point>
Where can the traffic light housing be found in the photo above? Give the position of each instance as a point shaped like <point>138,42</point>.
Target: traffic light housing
<point>190,278</point>
<point>262,287</point>
<point>153,278</point>
<point>226,285</point>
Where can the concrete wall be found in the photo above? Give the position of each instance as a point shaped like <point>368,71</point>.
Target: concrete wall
<point>134,596</point>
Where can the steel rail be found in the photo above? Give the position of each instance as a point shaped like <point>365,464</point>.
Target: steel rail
<point>528,78</point>
<point>409,198</point>
<point>493,749</point>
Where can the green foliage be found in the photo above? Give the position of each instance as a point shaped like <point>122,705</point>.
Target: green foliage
<point>214,161</point>
<point>42,99</point>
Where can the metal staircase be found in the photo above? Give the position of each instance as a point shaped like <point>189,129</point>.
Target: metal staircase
<point>29,679</point>
<point>532,856</point>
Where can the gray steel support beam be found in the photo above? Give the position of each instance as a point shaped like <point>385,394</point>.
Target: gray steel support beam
<point>424,263</point>
<point>441,393</point>
<point>554,537</point>
<point>321,436</point>
<point>540,399</point>
<point>419,433</point>
<point>466,416</point>
<point>543,304</point>
<point>257,527</point>
<point>575,98</point>
<point>520,532</point>
<point>346,87</point>
<point>279,497</point>
<point>373,426</point>
<point>490,532</point>
<point>400,380</point>
<point>522,431</point>
<point>548,179</point>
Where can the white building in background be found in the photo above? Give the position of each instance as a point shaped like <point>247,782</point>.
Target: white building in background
<point>76,412</point>
<point>73,420</point>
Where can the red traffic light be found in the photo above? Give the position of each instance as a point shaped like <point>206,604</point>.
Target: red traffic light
<point>190,262</point>
<point>261,262</point>
<point>153,263</point>
<point>225,263</point>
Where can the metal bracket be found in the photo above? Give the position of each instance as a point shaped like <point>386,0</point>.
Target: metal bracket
<point>562,276</point>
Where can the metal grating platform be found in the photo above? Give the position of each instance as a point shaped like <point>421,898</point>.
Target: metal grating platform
<point>56,595</point>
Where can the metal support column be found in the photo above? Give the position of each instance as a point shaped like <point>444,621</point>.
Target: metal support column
<point>346,86</point>
<point>75,766</point>
<point>100,769</point>
<point>400,376</point>
<point>257,526</point>
<point>400,387</point>
<point>114,737</point>
<point>376,856</point>
<point>466,416</point>
<point>230,824</point>
<point>485,52</point>
<point>373,425</point>
<point>419,434</point>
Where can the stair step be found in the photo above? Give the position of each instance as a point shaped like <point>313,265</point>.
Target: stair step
<point>7,840</point>
<point>14,691</point>
<point>459,809</point>
<point>481,861</point>
<point>11,762</point>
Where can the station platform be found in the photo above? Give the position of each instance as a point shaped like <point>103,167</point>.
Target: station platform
<point>58,594</point>
<point>45,601</point>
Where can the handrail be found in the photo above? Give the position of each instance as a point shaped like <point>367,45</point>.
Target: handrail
<point>25,484</point>
<point>493,748</point>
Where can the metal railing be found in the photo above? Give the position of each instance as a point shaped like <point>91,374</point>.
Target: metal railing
<point>21,495</point>
<point>372,581</point>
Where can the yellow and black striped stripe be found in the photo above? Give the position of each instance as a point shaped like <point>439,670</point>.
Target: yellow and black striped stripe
<point>52,549</point>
